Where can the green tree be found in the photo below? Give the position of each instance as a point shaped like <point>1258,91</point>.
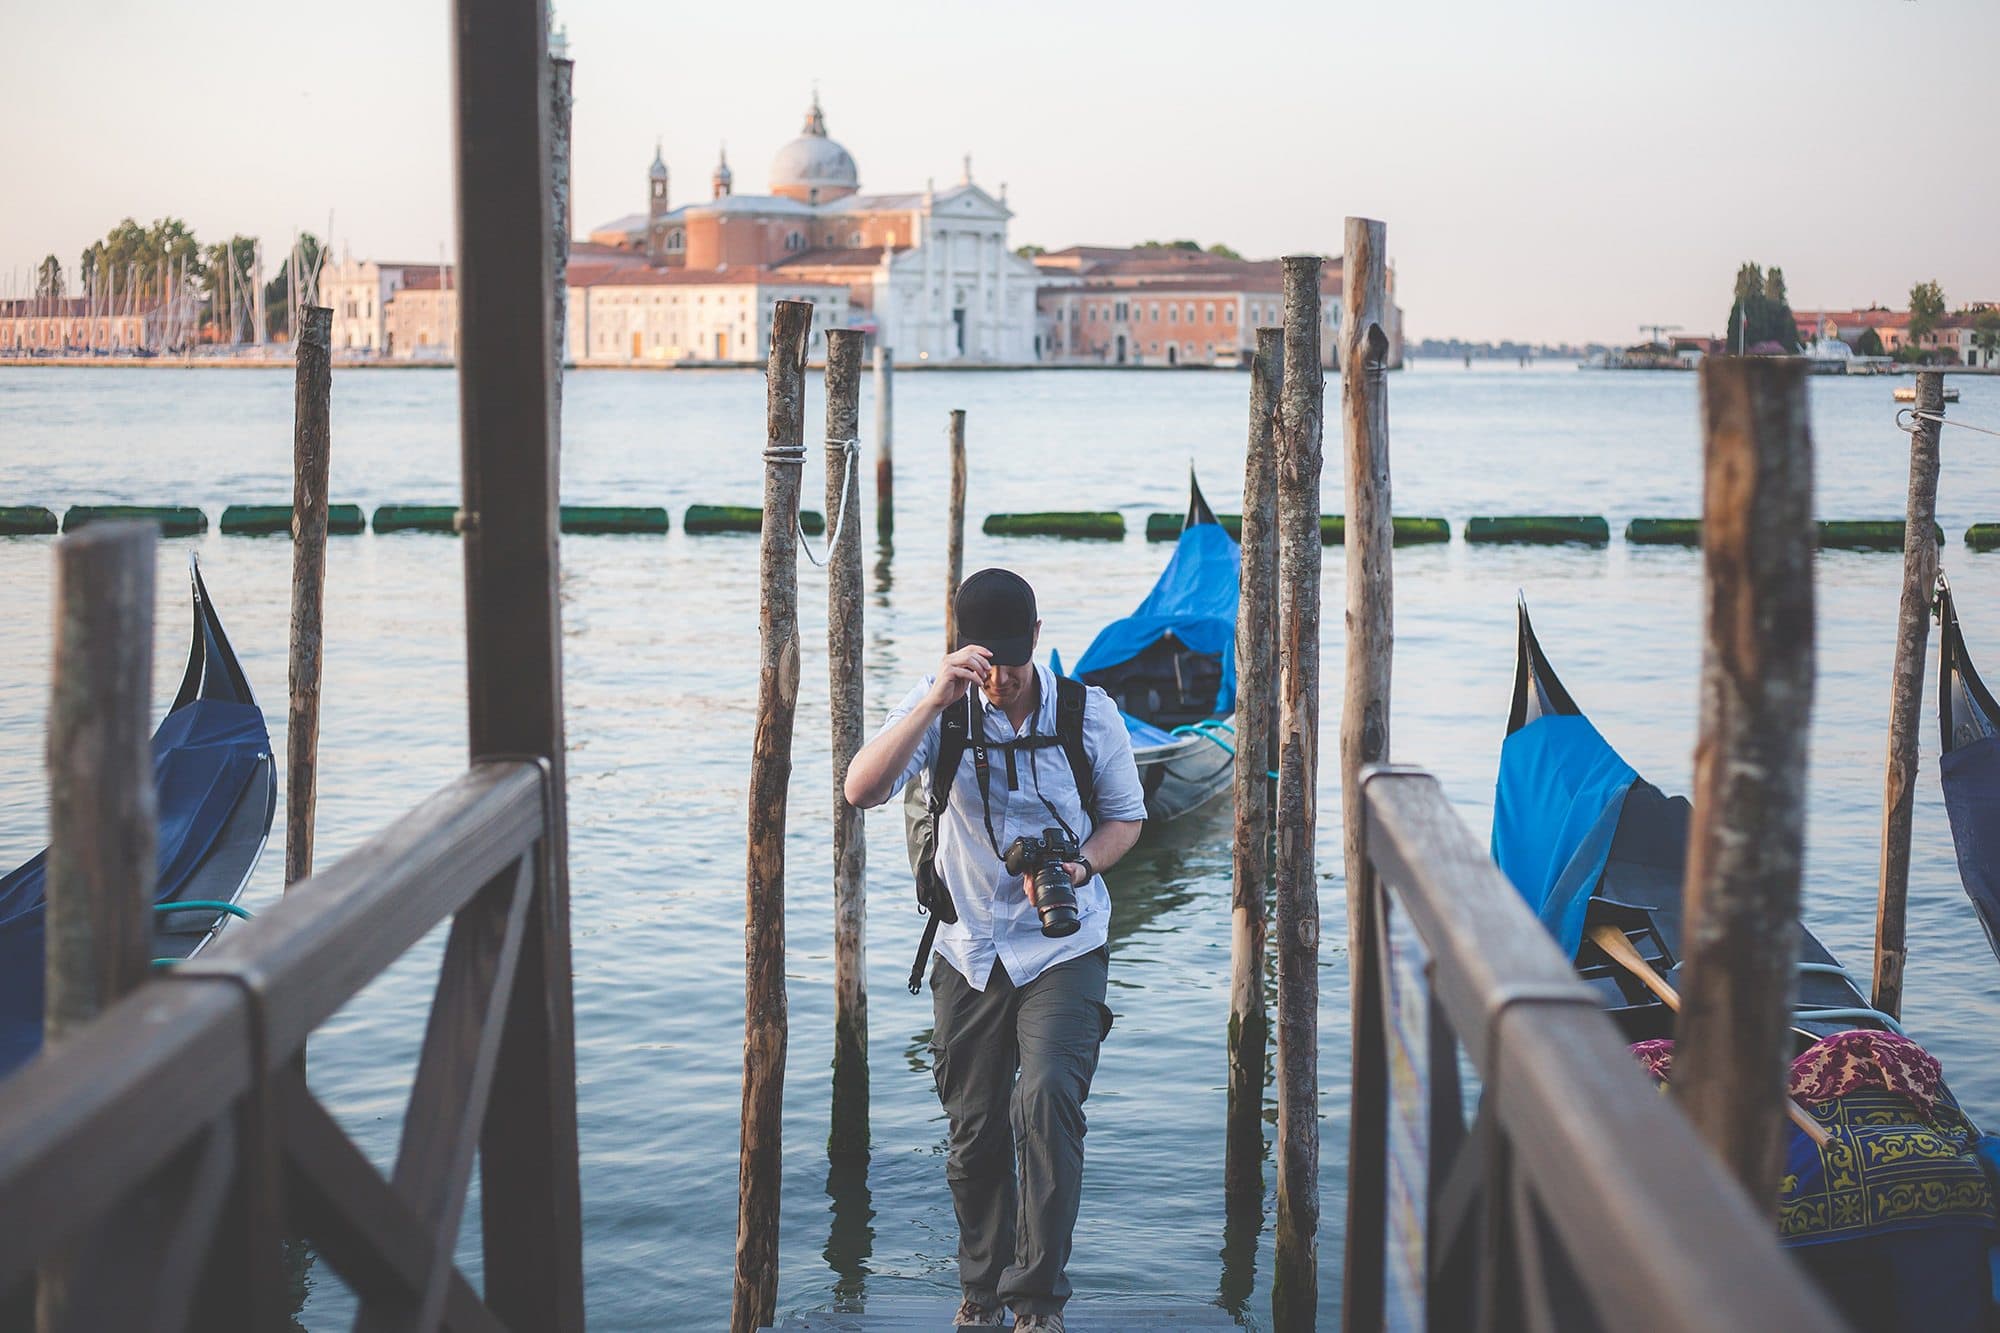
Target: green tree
<point>49,278</point>
<point>1926,308</point>
<point>1760,313</point>
<point>277,297</point>
<point>136,258</point>
<point>1030,251</point>
<point>1194,246</point>
<point>1774,287</point>
<point>228,266</point>
<point>1869,343</point>
<point>1221,251</point>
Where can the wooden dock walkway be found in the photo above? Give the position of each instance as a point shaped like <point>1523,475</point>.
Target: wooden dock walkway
<point>919,1315</point>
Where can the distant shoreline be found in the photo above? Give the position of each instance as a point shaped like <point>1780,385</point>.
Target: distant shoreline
<point>262,363</point>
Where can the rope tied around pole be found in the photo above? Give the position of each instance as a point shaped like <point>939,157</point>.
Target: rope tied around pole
<point>789,454</point>
<point>1918,414</point>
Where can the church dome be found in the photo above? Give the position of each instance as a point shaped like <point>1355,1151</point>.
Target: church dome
<point>812,167</point>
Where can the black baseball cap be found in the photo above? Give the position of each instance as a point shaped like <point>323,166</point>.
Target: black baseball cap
<point>996,610</point>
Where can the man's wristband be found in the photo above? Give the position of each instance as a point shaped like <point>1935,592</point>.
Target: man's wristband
<point>1089,871</point>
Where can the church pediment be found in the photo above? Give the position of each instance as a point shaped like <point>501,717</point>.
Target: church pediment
<point>969,201</point>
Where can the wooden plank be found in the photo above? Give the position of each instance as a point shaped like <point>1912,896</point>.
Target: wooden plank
<point>448,1106</point>
<point>358,1223</point>
<point>908,1315</point>
<point>1906,688</point>
<point>311,450</point>
<point>509,431</point>
<point>1637,1200</point>
<point>1250,859</point>
<point>847,1134</point>
<point>764,1015</point>
<point>1746,842</point>
<point>1295,1273</point>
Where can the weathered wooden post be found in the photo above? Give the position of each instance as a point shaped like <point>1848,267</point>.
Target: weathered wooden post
<point>1295,1274</point>
<point>954,532</point>
<point>102,818</point>
<point>885,431</point>
<point>311,451</point>
<point>562,77</point>
<point>1256,664</point>
<point>510,432</point>
<point>1364,717</point>
<point>1906,687</point>
<point>848,1136</point>
<point>764,1019</point>
<point>1746,845</point>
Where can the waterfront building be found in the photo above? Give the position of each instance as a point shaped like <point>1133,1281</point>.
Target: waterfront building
<point>359,292</point>
<point>622,315</point>
<point>929,273</point>
<point>80,325</point>
<point>420,319</point>
<point>1118,306</point>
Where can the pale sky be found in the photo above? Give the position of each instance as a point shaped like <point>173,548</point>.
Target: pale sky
<point>1553,170</point>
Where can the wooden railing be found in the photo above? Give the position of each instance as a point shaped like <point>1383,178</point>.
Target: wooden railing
<point>171,1148</point>
<point>1578,1197</point>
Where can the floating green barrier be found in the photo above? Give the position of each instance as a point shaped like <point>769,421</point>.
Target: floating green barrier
<point>1983,536</point>
<point>1108,525</point>
<point>1886,534</point>
<point>1664,532</point>
<point>26,521</point>
<point>174,520</point>
<point>601,519</point>
<point>271,520</point>
<point>1540,529</point>
<point>743,518</point>
<point>1162,527</point>
<point>416,518</point>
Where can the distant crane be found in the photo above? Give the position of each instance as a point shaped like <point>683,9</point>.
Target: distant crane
<point>1657,329</point>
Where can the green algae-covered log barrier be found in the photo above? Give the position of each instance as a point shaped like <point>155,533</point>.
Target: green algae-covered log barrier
<point>1409,531</point>
<point>743,518</point>
<point>26,521</point>
<point>416,518</point>
<point>1663,532</point>
<point>1840,534</point>
<point>275,520</point>
<point>1540,529</point>
<point>1983,536</point>
<point>1107,525</point>
<point>174,520</point>
<point>611,519</point>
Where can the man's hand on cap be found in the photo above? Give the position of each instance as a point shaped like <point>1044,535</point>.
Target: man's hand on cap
<point>958,673</point>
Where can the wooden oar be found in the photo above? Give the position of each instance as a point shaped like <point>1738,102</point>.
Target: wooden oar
<point>1619,949</point>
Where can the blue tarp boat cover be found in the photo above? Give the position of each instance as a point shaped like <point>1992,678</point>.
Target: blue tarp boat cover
<point>204,755</point>
<point>1970,775</point>
<point>1194,601</point>
<point>1556,808</point>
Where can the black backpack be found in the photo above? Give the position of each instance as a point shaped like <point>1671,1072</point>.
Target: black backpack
<point>920,816</point>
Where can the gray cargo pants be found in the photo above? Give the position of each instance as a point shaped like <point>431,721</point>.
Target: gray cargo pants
<point>1013,1243</point>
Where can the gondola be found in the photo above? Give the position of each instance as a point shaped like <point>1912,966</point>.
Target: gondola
<point>216,786</point>
<point>1969,767</point>
<point>1171,668</point>
<point>1885,1202</point>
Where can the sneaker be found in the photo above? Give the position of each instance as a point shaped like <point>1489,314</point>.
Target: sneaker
<point>971,1314</point>
<point>1038,1323</point>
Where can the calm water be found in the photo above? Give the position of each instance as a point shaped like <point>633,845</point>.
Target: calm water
<point>660,638</point>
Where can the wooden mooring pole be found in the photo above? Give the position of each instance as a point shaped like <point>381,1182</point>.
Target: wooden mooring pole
<point>1364,717</point>
<point>562,78</point>
<point>1746,844</point>
<point>885,431</point>
<point>102,818</point>
<point>510,447</point>
<point>311,451</point>
<point>1906,688</point>
<point>848,1136</point>
<point>1295,1273</point>
<point>764,1020</point>
<point>1256,666</point>
<point>954,531</point>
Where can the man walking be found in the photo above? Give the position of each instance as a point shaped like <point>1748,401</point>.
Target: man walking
<point>1009,998</point>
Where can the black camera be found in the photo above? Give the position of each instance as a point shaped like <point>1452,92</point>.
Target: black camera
<point>1055,896</point>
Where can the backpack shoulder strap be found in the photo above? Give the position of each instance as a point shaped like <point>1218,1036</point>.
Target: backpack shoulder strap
<point>1071,696</point>
<point>954,736</point>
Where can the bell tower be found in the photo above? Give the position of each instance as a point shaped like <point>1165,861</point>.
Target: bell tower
<point>656,205</point>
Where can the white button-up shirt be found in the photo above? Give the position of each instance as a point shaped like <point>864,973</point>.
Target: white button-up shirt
<point>995,917</point>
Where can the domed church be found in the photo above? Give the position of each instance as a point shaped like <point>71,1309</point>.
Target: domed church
<point>928,272</point>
